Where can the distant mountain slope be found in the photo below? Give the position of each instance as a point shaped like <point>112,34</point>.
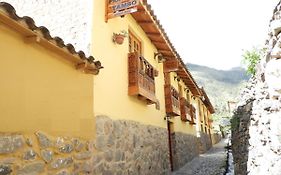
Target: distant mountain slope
<point>221,85</point>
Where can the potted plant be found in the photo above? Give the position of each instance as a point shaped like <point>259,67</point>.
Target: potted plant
<point>118,38</point>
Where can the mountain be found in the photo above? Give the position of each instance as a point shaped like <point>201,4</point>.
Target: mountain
<point>221,85</point>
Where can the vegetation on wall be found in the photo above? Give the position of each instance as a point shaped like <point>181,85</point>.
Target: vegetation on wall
<point>251,58</point>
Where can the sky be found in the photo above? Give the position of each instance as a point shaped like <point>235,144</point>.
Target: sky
<point>214,33</point>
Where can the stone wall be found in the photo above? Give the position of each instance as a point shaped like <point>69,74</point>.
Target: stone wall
<point>186,148</point>
<point>240,137</point>
<point>262,154</point>
<point>216,138</point>
<point>205,143</point>
<point>127,147</point>
<point>70,21</point>
<point>43,154</point>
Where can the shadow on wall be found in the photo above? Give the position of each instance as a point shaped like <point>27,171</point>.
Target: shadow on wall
<point>240,136</point>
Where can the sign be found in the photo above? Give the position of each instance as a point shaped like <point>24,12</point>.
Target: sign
<point>115,8</point>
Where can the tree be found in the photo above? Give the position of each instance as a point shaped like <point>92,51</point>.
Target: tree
<point>251,58</point>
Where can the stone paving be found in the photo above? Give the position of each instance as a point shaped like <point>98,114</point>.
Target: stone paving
<point>213,162</point>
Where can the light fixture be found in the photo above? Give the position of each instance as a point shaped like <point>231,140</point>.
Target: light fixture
<point>159,57</point>
<point>177,78</point>
<point>186,89</point>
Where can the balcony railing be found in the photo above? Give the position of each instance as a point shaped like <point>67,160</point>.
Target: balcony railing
<point>172,101</point>
<point>141,78</point>
<point>193,114</point>
<point>185,110</point>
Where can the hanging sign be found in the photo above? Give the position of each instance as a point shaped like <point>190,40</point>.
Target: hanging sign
<point>115,8</point>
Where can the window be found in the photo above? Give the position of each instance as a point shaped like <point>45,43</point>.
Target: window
<point>134,44</point>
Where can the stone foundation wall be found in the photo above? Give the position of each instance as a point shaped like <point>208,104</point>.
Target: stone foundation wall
<point>216,138</point>
<point>240,137</point>
<point>186,148</point>
<point>43,154</point>
<point>127,147</point>
<point>205,143</point>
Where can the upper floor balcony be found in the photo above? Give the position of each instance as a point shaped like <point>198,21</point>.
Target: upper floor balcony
<point>172,101</point>
<point>141,78</point>
<point>193,114</point>
<point>185,109</point>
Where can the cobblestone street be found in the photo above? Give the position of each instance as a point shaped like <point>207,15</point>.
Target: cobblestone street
<point>212,162</point>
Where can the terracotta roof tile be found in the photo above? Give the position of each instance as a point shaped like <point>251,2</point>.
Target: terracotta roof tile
<point>207,101</point>
<point>195,88</point>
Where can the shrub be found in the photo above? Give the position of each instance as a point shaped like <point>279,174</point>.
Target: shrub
<point>251,58</point>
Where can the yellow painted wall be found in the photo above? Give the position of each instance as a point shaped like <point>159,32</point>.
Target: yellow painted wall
<point>180,125</point>
<point>40,90</point>
<point>111,86</point>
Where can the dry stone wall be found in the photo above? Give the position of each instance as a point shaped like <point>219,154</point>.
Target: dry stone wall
<point>262,154</point>
<point>186,148</point>
<point>205,142</point>
<point>216,138</point>
<point>127,147</point>
<point>43,154</point>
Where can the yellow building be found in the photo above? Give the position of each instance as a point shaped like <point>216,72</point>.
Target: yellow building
<point>143,114</point>
<point>145,89</point>
<point>46,105</point>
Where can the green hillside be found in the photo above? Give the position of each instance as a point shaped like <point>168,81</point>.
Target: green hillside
<point>220,85</point>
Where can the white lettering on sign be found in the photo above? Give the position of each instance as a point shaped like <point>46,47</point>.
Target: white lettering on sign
<point>124,5</point>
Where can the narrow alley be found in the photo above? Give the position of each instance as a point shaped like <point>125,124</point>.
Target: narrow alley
<point>213,162</point>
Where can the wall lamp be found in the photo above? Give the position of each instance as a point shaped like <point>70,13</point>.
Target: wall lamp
<point>177,78</point>
<point>159,57</point>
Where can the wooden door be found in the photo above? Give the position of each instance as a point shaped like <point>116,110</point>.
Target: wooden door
<point>172,143</point>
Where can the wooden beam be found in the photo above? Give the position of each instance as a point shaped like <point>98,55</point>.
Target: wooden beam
<point>80,66</point>
<point>158,42</point>
<point>164,50</point>
<point>32,39</point>
<point>153,34</point>
<point>145,22</point>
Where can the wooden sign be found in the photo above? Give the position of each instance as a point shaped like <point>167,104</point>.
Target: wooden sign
<point>115,8</point>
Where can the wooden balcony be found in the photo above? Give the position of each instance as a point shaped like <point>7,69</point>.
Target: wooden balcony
<point>193,114</point>
<point>141,78</point>
<point>185,109</point>
<point>172,101</point>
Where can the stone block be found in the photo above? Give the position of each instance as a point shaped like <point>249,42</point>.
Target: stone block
<point>32,168</point>
<point>83,168</point>
<point>10,143</point>
<point>47,155</point>
<point>5,169</point>
<point>78,144</point>
<point>63,172</point>
<point>29,155</point>
<point>61,163</point>
<point>44,141</point>
<point>66,148</point>
<point>83,155</point>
